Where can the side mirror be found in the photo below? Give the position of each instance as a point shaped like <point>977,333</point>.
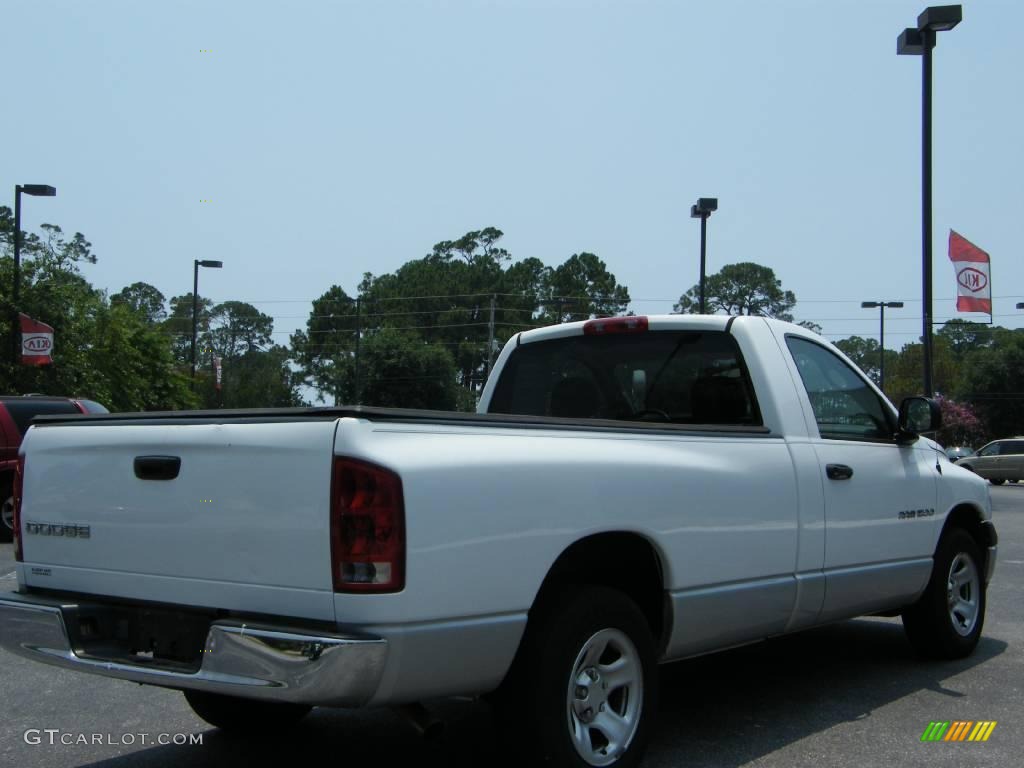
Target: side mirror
<point>918,415</point>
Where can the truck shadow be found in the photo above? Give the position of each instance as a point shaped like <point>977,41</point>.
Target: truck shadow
<point>721,710</point>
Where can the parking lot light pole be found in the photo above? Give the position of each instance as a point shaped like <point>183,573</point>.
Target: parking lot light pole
<point>881,305</point>
<point>195,304</point>
<point>701,210</point>
<point>36,190</point>
<point>919,42</point>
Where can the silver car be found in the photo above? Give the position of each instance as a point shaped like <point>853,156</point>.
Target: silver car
<point>999,461</point>
<point>955,453</point>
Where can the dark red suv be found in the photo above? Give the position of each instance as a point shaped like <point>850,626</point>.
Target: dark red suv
<point>16,414</point>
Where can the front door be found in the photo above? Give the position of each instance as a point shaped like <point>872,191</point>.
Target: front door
<point>879,496</point>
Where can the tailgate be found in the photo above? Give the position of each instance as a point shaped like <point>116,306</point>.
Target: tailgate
<point>243,526</point>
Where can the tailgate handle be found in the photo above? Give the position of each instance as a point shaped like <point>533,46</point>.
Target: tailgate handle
<point>157,467</point>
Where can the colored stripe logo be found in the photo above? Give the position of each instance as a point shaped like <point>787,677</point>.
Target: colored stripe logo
<point>958,730</point>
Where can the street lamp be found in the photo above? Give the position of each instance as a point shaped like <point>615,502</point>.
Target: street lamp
<point>195,303</point>
<point>36,190</point>
<point>919,42</point>
<point>881,305</point>
<point>701,210</point>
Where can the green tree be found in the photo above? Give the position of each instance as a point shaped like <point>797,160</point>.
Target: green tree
<point>582,288</point>
<point>137,367</point>
<point>178,327</point>
<point>256,373</point>
<point>324,350</point>
<point>741,289</point>
<point>144,299</point>
<point>475,246</point>
<point>904,378</point>
<point>254,379</point>
<point>237,328</point>
<point>994,384</point>
<point>445,298</point>
<point>102,350</point>
<point>865,353</point>
<point>403,371</point>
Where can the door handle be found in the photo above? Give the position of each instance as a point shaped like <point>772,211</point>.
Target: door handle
<point>838,472</point>
<point>157,467</point>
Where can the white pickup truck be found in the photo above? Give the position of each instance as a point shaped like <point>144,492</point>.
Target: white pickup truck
<point>632,491</point>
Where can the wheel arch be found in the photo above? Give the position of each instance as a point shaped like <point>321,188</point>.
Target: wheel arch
<point>970,518</point>
<point>623,560</point>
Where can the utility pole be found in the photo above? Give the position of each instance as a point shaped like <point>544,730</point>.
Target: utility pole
<point>490,339</point>
<point>359,332</point>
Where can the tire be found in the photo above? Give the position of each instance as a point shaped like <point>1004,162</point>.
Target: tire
<point>996,480</point>
<point>6,515</point>
<point>946,622</point>
<point>249,716</point>
<point>559,705</point>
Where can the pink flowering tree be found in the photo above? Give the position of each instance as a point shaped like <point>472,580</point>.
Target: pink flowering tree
<point>960,424</point>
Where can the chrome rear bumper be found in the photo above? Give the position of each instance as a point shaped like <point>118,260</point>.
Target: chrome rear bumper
<point>263,661</point>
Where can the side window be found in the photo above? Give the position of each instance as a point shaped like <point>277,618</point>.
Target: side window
<point>1015,446</point>
<point>845,407</point>
<point>992,449</point>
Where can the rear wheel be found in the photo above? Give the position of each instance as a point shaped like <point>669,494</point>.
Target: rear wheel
<point>996,480</point>
<point>582,691</point>
<point>235,714</point>
<point>946,622</point>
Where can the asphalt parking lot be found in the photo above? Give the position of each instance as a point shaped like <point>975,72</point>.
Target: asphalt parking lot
<point>851,694</point>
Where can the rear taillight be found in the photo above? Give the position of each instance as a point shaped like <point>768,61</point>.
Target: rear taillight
<point>19,475</point>
<point>367,528</point>
<point>605,325</point>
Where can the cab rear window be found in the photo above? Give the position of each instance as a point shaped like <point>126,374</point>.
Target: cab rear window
<point>681,377</point>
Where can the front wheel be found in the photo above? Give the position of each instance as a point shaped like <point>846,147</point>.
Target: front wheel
<point>946,622</point>
<point>249,716</point>
<point>996,480</point>
<point>582,691</point>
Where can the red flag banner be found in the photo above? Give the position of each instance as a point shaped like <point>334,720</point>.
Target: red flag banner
<point>973,278</point>
<point>36,341</point>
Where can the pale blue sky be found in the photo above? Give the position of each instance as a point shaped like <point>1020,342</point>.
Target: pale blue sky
<point>339,138</point>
